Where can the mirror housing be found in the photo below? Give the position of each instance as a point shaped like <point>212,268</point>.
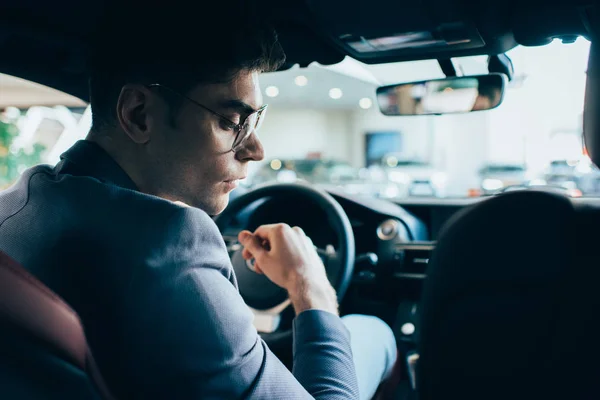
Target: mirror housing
<point>443,96</point>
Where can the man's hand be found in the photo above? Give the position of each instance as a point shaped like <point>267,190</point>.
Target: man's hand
<point>288,258</point>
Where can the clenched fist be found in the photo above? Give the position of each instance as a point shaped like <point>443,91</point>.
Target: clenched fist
<point>288,258</point>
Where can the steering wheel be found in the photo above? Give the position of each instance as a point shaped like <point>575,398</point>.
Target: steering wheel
<point>262,295</point>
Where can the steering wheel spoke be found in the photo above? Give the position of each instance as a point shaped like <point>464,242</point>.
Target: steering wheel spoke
<point>328,251</point>
<point>328,255</point>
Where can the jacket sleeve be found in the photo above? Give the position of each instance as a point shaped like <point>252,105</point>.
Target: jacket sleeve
<point>189,335</point>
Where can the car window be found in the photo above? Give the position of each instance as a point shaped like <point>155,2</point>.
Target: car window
<point>37,124</point>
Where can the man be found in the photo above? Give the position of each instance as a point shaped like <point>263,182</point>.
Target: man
<point>120,228</point>
<point>488,96</point>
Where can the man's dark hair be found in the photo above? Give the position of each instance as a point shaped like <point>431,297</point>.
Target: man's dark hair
<point>488,87</point>
<point>177,47</point>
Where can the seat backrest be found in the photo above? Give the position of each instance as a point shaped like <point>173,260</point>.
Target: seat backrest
<point>488,300</point>
<point>511,304</point>
<point>43,350</point>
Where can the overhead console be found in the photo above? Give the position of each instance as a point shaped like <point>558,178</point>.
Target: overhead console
<point>457,35</point>
<point>382,31</point>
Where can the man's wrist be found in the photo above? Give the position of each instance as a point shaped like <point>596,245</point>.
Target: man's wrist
<point>310,296</point>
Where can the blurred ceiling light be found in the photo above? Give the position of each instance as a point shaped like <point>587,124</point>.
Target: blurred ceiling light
<point>301,80</point>
<point>272,91</point>
<point>276,164</point>
<point>365,103</point>
<point>335,93</point>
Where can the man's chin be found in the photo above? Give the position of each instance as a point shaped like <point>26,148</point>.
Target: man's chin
<point>218,210</point>
<point>215,207</point>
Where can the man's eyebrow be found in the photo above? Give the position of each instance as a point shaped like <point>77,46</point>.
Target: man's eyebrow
<point>237,105</point>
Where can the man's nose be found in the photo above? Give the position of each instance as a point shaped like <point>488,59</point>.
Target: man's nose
<point>252,150</point>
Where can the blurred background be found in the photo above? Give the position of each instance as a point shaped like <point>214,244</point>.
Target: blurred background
<point>323,126</point>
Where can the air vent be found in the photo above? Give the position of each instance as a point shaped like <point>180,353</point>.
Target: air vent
<point>415,257</point>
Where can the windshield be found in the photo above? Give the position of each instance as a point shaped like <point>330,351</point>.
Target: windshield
<point>330,113</point>
<point>324,127</point>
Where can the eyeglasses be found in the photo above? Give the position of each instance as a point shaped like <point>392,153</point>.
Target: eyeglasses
<point>242,130</point>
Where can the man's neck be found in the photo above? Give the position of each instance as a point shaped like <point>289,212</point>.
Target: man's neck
<point>122,153</point>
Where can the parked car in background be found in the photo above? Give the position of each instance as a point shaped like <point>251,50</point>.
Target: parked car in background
<point>495,177</point>
<point>559,171</point>
<point>310,170</point>
<point>325,173</point>
<point>580,173</point>
<point>414,177</point>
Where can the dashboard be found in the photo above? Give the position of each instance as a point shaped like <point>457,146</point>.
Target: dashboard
<point>402,237</point>
<point>393,241</point>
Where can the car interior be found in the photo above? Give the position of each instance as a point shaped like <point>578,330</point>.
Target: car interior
<point>489,296</point>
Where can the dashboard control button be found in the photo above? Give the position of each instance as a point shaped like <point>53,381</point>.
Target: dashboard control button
<point>408,329</point>
<point>366,276</point>
<point>369,259</point>
<point>388,229</point>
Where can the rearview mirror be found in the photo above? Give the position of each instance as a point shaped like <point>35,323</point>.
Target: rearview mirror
<point>443,96</point>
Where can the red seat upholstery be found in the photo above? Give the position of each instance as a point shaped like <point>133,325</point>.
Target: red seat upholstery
<point>30,307</point>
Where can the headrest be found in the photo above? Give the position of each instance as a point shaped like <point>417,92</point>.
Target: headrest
<point>591,115</point>
<point>33,308</point>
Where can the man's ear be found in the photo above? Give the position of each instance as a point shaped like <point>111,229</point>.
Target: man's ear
<point>133,108</point>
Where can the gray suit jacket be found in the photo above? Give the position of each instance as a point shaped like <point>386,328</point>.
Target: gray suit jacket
<point>154,287</point>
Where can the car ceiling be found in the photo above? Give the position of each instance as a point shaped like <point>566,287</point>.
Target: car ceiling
<point>47,41</point>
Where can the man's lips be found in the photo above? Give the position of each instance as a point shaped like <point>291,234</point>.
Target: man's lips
<point>235,179</point>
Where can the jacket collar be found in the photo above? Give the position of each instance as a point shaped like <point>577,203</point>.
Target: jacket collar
<point>86,158</point>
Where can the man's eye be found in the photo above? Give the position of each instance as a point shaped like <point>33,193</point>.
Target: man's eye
<point>226,125</point>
